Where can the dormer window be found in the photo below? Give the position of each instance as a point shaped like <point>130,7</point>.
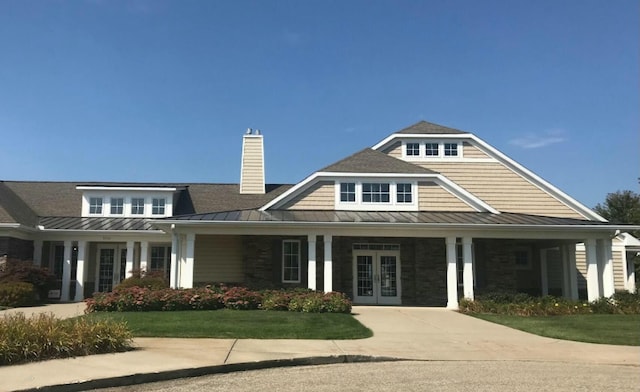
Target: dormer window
<point>451,149</point>
<point>431,149</point>
<point>348,192</point>
<point>117,206</point>
<point>95,206</point>
<point>157,207</point>
<point>403,193</point>
<point>413,149</point>
<point>137,206</point>
<point>384,194</point>
<point>375,193</point>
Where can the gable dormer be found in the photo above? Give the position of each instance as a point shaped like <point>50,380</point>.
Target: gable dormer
<point>127,201</point>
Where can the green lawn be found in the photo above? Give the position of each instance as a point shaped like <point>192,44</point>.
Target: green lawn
<point>621,329</point>
<point>241,324</point>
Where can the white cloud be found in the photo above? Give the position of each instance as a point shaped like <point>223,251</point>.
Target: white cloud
<point>538,140</point>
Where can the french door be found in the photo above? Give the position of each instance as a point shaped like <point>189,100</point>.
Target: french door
<point>111,267</point>
<point>376,277</point>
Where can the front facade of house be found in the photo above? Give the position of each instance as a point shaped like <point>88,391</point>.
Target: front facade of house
<point>427,216</point>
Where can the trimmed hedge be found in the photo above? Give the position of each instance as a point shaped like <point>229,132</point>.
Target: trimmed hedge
<point>212,298</point>
<point>16,294</point>
<point>520,304</point>
<point>44,337</point>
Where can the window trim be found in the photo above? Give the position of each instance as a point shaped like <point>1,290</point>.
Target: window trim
<point>144,203</point>
<point>153,206</point>
<point>299,255</point>
<point>391,205</point>
<point>101,209</point>
<point>441,152</point>
<point>111,205</point>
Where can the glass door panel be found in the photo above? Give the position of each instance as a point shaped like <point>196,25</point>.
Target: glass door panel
<point>388,276</point>
<point>364,266</point>
<point>106,264</point>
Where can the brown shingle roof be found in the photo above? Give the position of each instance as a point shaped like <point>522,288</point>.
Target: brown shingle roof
<point>372,161</point>
<point>424,127</point>
<point>13,208</point>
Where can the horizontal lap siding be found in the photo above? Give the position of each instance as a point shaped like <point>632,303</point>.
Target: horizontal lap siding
<point>218,259</point>
<point>431,197</point>
<point>320,196</point>
<point>501,188</point>
<point>618,271</point>
<point>394,150</point>
<point>252,166</point>
<point>469,151</point>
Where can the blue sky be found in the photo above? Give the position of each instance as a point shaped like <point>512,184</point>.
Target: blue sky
<point>163,90</point>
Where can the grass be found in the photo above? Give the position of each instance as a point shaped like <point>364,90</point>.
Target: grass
<point>619,329</point>
<point>240,324</point>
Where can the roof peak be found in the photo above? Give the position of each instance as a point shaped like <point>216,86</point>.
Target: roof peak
<point>424,127</point>
<point>372,161</point>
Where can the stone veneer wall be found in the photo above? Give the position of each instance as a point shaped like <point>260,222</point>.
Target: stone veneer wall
<point>262,259</point>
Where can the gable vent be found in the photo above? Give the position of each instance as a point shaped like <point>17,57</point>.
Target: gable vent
<point>252,169</point>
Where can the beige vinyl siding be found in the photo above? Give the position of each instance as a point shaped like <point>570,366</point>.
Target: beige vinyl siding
<point>252,180</point>
<point>394,150</point>
<point>501,188</point>
<point>320,196</point>
<point>618,271</point>
<point>218,258</point>
<point>432,197</point>
<point>471,151</point>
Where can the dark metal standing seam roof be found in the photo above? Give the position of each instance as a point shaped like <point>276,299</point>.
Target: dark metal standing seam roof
<point>422,217</point>
<point>98,224</point>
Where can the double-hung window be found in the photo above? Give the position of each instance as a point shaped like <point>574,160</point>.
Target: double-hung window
<point>403,193</point>
<point>291,261</point>
<point>157,206</point>
<point>375,193</point>
<point>348,192</point>
<point>117,206</point>
<point>137,206</point>
<point>431,149</point>
<point>450,149</point>
<point>95,205</point>
<point>412,149</point>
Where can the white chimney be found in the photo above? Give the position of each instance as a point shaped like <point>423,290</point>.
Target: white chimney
<point>252,170</point>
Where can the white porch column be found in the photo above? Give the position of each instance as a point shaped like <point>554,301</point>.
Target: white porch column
<point>544,274</point>
<point>80,271</point>
<point>311,263</point>
<point>328,263</point>
<point>467,272</point>
<point>128,268</point>
<point>144,255</point>
<point>175,259</point>
<point>593,284</point>
<point>573,271</point>
<point>608,287</point>
<point>452,274</point>
<point>66,272</point>
<point>186,270</point>
<point>37,252</point>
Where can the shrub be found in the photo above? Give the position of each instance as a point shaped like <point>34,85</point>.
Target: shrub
<point>276,299</point>
<point>318,302</point>
<point>154,280</point>
<point>626,302</point>
<point>45,337</point>
<point>145,299</point>
<point>241,298</point>
<point>17,294</point>
<point>25,271</point>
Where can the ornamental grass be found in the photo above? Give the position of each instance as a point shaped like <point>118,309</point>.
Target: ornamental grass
<point>43,336</point>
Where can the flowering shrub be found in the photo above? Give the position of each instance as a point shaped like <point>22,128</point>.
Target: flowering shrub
<point>25,271</point>
<point>153,280</point>
<point>210,298</point>
<point>525,305</point>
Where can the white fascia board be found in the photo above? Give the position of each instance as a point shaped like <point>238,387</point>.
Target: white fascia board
<point>518,168</point>
<point>126,188</point>
<point>539,181</point>
<point>10,225</point>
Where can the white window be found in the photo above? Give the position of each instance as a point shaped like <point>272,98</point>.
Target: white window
<point>160,259</point>
<point>412,149</point>
<point>95,205</point>
<point>522,258</point>
<point>157,207</point>
<point>375,193</point>
<point>432,149</point>
<point>291,261</point>
<point>451,149</point>
<point>403,193</point>
<point>348,192</point>
<point>117,206</point>
<point>137,206</point>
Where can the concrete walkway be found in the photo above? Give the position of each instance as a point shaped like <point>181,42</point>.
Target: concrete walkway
<point>399,332</point>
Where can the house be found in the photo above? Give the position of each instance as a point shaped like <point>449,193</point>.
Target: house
<point>426,216</point>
